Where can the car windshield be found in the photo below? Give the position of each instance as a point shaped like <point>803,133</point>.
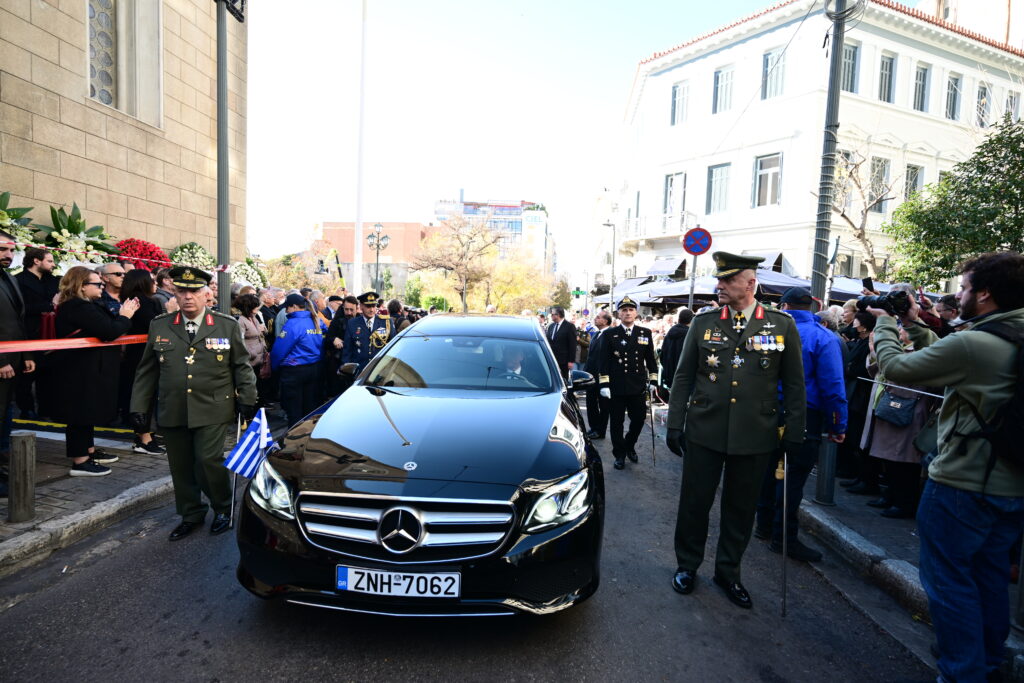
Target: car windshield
<point>462,362</point>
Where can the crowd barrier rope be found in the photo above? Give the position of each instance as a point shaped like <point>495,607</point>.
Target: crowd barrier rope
<point>24,345</point>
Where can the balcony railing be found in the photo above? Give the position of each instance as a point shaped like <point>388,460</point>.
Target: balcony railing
<point>659,225</point>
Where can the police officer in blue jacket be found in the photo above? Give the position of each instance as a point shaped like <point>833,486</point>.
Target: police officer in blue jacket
<point>296,357</point>
<point>826,412</point>
<point>367,333</point>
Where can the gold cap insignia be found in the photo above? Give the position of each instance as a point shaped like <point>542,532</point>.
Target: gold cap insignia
<point>187,275</point>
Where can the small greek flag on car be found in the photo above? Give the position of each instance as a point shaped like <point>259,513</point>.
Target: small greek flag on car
<point>252,448</point>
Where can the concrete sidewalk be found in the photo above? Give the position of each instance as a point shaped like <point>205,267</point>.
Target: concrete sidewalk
<point>70,508</point>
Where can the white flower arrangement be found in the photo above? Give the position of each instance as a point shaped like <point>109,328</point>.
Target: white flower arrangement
<point>192,254</point>
<point>245,274</point>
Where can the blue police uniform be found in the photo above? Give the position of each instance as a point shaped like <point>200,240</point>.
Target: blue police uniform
<point>364,338</point>
<point>295,356</point>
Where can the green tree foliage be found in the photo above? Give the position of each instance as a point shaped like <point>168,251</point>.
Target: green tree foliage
<point>413,291</point>
<point>562,296</point>
<point>978,207</point>
<point>438,302</point>
<point>387,286</point>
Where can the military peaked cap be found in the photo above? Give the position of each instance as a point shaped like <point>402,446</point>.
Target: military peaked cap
<point>188,277</point>
<point>369,299</point>
<point>626,302</point>
<point>729,264</point>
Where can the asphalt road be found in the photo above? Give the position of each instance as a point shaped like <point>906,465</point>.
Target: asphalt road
<point>127,605</point>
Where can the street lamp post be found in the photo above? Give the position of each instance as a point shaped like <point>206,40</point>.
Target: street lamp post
<point>611,291</point>
<point>377,242</point>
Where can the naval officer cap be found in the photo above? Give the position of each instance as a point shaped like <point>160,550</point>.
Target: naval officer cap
<point>727,264</point>
<point>187,277</point>
<point>626,302</point>
<point>369,299</point>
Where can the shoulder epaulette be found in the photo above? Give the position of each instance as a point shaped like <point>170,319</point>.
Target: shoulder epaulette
<point>163,315</point>
<point>224,315</point>
<point>716,311</point>
<point>778,312</point>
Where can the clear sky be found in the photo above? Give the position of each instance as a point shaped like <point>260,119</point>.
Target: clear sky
<point>506,99</point>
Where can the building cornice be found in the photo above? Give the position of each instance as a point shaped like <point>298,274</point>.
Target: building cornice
<point>887,13</point>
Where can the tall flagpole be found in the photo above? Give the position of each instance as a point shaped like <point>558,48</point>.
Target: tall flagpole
<point>357,251</point>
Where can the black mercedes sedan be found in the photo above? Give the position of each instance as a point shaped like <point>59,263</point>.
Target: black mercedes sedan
<point>453,478</point>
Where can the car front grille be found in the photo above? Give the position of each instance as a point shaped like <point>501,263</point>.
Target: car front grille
<point>450,529</point>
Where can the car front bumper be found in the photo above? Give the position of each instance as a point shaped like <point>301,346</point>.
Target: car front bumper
<point>532,573</point>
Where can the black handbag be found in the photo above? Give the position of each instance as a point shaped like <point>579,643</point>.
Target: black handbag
<point>895,409</point>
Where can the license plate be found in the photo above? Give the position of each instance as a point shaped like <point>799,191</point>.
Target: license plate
<point>402,584</point>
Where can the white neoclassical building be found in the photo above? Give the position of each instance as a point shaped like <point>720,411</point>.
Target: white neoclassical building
<point>727,128</point>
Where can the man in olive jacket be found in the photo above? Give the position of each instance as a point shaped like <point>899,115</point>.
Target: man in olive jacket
<point>196,366</point>
<point>969,518</point>
<point>725,398</point>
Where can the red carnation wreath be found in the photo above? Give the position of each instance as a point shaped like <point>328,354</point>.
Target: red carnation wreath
<point>143,254</point>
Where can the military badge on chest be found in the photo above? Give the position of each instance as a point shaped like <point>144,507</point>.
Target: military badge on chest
<point>219,345</point>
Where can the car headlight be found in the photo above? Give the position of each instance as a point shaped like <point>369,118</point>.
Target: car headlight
<point>560,503</point>
<point>271,492</point>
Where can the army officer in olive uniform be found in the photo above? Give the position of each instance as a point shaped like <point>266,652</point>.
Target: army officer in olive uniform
<point>628,368</point>
<point>196,366</point>
<point>725,400</point>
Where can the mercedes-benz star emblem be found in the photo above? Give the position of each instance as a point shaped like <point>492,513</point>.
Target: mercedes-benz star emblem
<point>400,530</point>
<point>409,466</point>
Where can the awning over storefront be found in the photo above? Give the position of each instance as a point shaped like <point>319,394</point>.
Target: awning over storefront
<point>773,260</point>
<point>666,265</point>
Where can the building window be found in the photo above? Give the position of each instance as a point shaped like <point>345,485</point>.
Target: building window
<point>849,78</point>
<point>953,98</point>
<point>921,88</point>
<point>718,188</point>
<point>984,106</point>
<point>945,10</point>
<point>722,96</point>
<point>675,194</point>
<point>772,68</point>
<point>680,98</point>
<point>125,52</point>
<point>767,180</point>
<point>912,180</point>
<point>1013,105</point>
<point>943,175</point>
<point>879,188</point>
<point>886,77</point>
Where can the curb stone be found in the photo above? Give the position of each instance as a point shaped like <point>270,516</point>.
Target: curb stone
<point>35,545</point>
<point>898,578</point>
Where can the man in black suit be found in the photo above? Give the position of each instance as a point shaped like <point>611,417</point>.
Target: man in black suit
<point>38,285</point>
<point>562,337</point>
<point>12,328</point>
<point>597,405</point>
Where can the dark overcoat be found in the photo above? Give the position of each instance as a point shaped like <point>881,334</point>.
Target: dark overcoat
<point>88,378</point>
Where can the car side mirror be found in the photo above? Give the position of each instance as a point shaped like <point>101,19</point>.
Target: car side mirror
<point>580,380</point>
<point>348,369</point>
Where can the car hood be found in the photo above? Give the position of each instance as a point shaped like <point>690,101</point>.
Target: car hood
<point>424,434</point>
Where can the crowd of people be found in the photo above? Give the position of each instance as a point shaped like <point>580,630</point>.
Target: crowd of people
<point>913,390</point>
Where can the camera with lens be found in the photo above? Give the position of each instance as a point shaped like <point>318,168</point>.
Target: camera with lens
<point>893,303</point>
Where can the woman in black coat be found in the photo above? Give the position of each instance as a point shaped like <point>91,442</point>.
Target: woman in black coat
<point>138,284</point>
<point>88,377</point>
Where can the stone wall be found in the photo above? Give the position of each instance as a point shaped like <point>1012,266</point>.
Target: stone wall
<point>58,145</point>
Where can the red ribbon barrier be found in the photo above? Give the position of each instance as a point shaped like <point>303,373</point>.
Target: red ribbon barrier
<point>64,344</point>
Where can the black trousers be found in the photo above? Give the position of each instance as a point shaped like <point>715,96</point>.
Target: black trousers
<point>618,407</point>
<point>78,440</point>
<point>703,469</point>
<point>597,410</point>
<point>769,505</point>
<point>300,385</point>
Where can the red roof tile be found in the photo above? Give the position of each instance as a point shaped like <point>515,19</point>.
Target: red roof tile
<point>890,4</point>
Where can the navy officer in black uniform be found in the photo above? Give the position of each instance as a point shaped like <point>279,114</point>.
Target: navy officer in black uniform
<point>367,333</point>
<point>628,368</point>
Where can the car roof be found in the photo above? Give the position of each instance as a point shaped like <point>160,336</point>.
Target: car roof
<point>477,325</point>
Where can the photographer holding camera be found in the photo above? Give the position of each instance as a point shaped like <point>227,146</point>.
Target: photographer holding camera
<point>900,302</point>
<point>972,508</point>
